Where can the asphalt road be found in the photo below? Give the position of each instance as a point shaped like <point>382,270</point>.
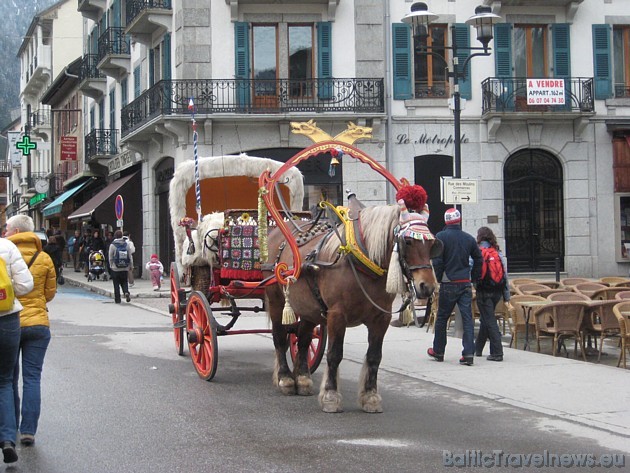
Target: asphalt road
<point>117,398</point>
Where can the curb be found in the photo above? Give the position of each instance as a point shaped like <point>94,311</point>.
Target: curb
<point>110,293</point>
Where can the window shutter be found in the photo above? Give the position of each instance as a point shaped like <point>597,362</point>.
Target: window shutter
<point>166,57</point>
<point>561,50</point>
<point>151,67</point>
<point>503,50</point>
<point>241,66</point>
<point>401,43</point>
<point>462,36</point>
<point>324,59</point>
<point>602,67</point>
<point>116,13</point>
<point>136,82</point>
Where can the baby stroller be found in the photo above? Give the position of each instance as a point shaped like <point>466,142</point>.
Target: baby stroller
<point>96,266</point>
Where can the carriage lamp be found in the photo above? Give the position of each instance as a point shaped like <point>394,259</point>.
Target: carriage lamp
<point>483,20</point>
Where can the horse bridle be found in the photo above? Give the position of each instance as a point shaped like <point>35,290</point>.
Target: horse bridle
<point>400,233</point>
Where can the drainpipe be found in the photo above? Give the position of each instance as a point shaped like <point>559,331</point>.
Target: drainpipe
<point>390,195</point>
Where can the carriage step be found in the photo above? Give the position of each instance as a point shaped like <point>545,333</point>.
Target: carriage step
<point>181,324</point>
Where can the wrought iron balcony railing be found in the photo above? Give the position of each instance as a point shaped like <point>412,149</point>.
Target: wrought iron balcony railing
<point>135,7</point>
<point>40,118</point>
<point>89,69</point>
<point>436,90</point>
<point>101,142</point>
<point>254,96</point>
<point>622,91</point>
<point>6,168</point>
<point>510,95</point>
<point>113,41</point>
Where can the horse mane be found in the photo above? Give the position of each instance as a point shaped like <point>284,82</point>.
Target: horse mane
<point>377,225</point>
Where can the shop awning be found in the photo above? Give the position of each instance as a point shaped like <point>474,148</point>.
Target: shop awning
<point>55,206</point>
<point>87,209</point>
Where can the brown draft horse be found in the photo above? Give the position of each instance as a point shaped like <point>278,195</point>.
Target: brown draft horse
<point>342,301</point>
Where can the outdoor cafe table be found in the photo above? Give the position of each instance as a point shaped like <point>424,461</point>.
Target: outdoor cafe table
<point>527,312</point>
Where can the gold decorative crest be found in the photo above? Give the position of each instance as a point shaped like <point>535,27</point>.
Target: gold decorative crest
<point>349,136</point>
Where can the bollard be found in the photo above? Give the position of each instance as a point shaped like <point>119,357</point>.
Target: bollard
<point>557,264</point>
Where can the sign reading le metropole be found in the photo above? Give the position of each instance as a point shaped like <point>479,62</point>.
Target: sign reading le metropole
<point>545,91</point>
<point>458,191</point>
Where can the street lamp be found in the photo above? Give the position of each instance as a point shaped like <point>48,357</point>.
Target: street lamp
<point>483,20</point>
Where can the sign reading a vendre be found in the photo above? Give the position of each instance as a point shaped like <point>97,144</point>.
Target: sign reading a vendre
<point>545,91</point>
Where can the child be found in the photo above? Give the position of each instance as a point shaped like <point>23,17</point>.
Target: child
<point>156,269</point>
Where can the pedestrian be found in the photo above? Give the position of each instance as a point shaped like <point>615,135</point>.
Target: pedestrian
<point>453,271</point>
<point>76,251</point>
<point>156,269</point>
<point>488,297</point>
<point>132,250</point>
<point>109,237</point>
<point>53,250</point>
<point>71,241</point>
<point>35,326</point>
<point>84,252</point>
<point>14,271</point>
<point>119,260</point>
<point>61,243</point>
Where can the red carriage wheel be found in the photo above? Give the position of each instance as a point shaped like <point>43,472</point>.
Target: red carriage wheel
<point>176,308</point>
<point>202,335</point>
<point>316,349</point>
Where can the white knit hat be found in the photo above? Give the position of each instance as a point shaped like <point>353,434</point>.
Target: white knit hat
<point>452,216</point>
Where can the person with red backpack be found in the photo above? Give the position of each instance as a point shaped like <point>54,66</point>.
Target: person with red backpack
<point>491,287</point>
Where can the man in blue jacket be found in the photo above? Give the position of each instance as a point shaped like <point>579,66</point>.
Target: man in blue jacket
<point>453,271</point>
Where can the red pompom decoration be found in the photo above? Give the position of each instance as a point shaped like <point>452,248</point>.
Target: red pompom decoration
<point>414,196</point>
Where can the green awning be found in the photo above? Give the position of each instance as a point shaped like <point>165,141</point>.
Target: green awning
<point>55,206</point>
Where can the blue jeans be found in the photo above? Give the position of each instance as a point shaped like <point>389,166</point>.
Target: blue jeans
<point>451,294</point>
<point>488,328</point>
<point>9,349</point>
<point>33,344</point>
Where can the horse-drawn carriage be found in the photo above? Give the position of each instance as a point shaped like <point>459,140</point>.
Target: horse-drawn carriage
<point>317,275</point>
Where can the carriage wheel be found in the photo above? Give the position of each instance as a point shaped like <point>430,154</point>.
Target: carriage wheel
<point>316,349</point>
<point>177,309</point>
<point>202,335</point>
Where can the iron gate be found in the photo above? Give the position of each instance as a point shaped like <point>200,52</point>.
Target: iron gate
<point>534,217</point>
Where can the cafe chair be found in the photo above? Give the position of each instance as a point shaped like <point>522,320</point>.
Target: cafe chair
<point>568,296</point>
<point>500,312</point>
<point>613,280</point>
<point>561,320</point>
<point>570,282</point>
<point>623,295</point>
<point>622,312</point>
<point>514,283</point>
<point>588,288</point>
<point>625,284</point>
<point>551,284</point>
<point>608,293</point>
<point>602,321</point>
<point>434,310</point>
<point>517,316</point>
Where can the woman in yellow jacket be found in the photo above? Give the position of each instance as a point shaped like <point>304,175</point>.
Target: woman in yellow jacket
<point>34,324</point>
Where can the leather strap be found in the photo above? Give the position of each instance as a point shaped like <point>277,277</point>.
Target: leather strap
<point>33,259</point>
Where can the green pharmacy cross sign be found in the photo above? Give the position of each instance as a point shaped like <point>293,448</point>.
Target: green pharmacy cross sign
<point>26,145</point>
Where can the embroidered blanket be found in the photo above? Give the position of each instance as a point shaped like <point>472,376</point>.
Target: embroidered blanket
<point>240,254</point>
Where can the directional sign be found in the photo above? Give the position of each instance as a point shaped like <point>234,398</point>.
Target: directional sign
<point>119,207</point>
<point>26,145</point>
<point>458,191</point>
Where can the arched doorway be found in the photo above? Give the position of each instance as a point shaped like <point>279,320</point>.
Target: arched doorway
<point>428,170</point>
<point>163,175</point>
<point>534,216</point>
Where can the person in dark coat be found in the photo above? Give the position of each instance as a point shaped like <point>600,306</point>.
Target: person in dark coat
<point>53,250</point>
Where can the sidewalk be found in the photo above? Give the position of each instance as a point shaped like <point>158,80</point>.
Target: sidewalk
<point>588,394</point>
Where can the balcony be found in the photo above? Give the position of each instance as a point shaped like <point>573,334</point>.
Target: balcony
<point>500,6</point>
<point>246,96</point>
<point>92,9</point>
<point>92,82</point>
<point>101,143</point>
<point>41,123</point>
<point>114,58</point>
<point>148,19</point>
<point>6,168</point>
<point>39,71</point>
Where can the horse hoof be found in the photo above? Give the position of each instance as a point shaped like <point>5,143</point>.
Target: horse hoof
<point>304,386</point>
<point>287,386</point>
<point>331,402</point>
<point>371,403</point>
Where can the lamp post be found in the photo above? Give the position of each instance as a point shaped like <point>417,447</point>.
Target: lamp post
<point>483,20</point>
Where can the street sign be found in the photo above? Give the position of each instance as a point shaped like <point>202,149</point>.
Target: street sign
<point>119,223</point>
<point>458,191</point>
<point>119,207</point>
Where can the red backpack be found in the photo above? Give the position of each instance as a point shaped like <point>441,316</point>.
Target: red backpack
<point>492,274</point>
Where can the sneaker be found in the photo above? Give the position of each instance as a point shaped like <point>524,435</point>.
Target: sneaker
<point>466,360</point>
<point>8,450</point>
<point>27,439</point>
<point>494,358</point>
<point>127,297</point>
<point>434,355</point>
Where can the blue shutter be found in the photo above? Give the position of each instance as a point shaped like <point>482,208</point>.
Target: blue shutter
<point>241,66</point>
<point>116,13</point>
<point>602,67</point>
<point>462,35</point>
<point>503,65</point>
<point>151,67</point>
<point>136,82</point>
<point>560,33</point>
<point>401,43</point>
<point>124,95</point>
<point>324,59</point>
<point>166,57</point>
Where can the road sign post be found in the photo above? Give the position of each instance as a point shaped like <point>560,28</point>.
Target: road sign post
<point>458,191</point>
<point>119,209</point>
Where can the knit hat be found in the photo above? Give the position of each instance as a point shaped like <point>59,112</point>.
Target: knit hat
<point>452,216</point>
<point>154,256</point>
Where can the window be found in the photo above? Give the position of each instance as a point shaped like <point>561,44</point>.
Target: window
<point>301,60</point>
<point>621,60</point>
<point>430,78</point>
<point>265,60</point>
<point>531,51</point>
